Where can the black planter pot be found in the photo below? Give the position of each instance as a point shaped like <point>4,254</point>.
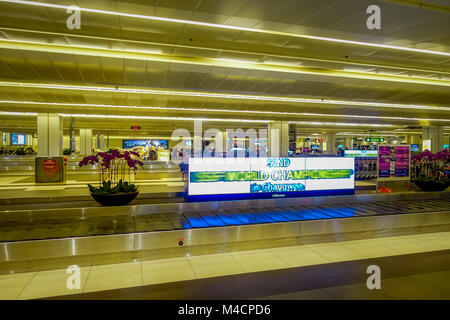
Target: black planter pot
<point>431,185</point>
<point>118,199</point>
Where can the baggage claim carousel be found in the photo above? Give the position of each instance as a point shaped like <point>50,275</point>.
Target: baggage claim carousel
<point>155,231</point>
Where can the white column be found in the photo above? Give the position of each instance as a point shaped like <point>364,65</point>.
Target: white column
<point>330,139</point>
<point>85,142</point>
<point>72,143</point>
<point>7,138</point>
<point>221,141</point>
<point>436,135</point>
<point>292,137</point>
<point>198,139</point>
<point>101,142</point>
<point>278,139</point>
<point>348,142</point>
<point>408,139</point>
<point>29,140</point>
<point>50,135</point>
<point>414,139</point>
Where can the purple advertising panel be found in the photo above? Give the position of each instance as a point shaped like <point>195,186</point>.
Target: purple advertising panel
<point>402,161</point>
<point>384,164</point>
<point>393,161</point>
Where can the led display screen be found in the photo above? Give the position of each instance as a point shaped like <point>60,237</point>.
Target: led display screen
<point>414,147</point>
<point>18,139</point>
<point>128,144</point>
<point>247,178</point>
<point>361,153</point>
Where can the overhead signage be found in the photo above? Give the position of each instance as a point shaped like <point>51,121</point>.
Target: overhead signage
<point>135,128</point>
<point>372,139</point>
<point>251,178</point>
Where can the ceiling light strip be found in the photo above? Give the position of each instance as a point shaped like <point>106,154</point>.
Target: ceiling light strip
<point>299,114</point>
<point>221,95</point>
<point>109,116</point>
<point>230,27</point>
<point>350,124</point>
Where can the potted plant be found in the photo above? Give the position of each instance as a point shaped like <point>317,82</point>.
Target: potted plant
<point>115,170</point>
<point>431,172</point>
<point>20,151</point>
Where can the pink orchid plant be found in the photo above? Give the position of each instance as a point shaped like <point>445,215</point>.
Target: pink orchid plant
<point>115,169</point>
<point>432,166</point>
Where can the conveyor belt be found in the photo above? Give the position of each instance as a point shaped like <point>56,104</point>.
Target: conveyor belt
<point>67,227</point>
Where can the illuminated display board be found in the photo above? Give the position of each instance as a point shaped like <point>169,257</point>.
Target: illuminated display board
<point>393,161</point>
<point>18,139</point>
<point>372,139</point>
<point>361,153</point>
<point>252,178</point>
<point>426,144</point>
<point>128,144</point>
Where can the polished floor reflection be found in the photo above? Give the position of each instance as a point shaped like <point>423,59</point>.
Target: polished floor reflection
<point>103,280</point>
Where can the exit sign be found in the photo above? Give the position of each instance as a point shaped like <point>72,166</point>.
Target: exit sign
<point>135,128</point>
<point>374,139</point>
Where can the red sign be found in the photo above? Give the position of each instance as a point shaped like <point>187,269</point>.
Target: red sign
<point>50,167</point>
<point>135,128</point>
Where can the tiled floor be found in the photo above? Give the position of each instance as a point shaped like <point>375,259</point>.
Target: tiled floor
<point>105,277</point>
<point>424,275</point>
<point>167,270</point>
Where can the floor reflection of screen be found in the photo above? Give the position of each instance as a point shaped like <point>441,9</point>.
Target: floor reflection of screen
<point>17,139</point>
<point>128,144</point>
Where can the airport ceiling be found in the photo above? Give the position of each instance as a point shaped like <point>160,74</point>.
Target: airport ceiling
<point>165,62</point>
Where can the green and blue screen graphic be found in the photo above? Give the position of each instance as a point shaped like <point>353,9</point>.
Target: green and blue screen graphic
<point>269,177</point>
